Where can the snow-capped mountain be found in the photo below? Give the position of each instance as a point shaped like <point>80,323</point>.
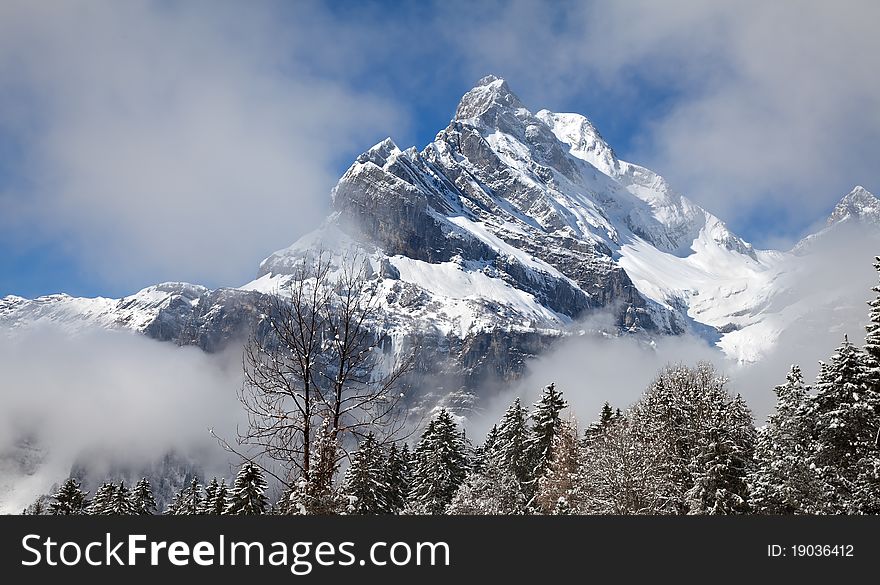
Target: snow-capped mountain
<point>858,205</point>
<point>493,241</point>
<point>857,209</point>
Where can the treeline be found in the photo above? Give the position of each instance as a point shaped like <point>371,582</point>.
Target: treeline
<point>688,446</point>
<point>247,495</point>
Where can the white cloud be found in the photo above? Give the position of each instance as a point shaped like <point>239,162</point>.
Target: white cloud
<point>833,284</point>
<point>592,369</point>
<point>166,141</point>
<point>108,396</point>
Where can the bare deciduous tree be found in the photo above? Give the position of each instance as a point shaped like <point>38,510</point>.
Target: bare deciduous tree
<point>362,397</point>
<point>316,360</point>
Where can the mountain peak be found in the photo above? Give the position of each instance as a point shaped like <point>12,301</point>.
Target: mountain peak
<point>859,204</point>
<point>490,92</point>
<point>379,153</point>
<point>489,80</point>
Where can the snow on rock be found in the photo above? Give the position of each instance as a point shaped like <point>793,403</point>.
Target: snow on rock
<point>859,208</point>
<point>135,312</point>
<point>858,205</point>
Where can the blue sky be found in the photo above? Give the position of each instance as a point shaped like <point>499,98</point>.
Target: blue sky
<point>150,141</point>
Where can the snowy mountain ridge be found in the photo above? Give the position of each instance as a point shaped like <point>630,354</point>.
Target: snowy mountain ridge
<point>494,240</point>
<point>858,205</point>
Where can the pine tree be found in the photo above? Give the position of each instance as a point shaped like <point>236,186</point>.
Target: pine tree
<point>364,486</point>
<point>557,486</point>
<point>477,457</point>
<point>218,503</point>
<point>190,501</point>
<point>176,503</point>
<point>739,419</point>
<point>491,442</point>
<point>546,424</point>
<point>216,495</point>
<point>210,494</point>
<point>722,460</point>
<point>782,481</point>
<point>248,492</point>
<point>607,417</point>
<point>846,417</point>
<point>509,446</point>
<point>872,340</point>
<point>720,470</point>
<point>142,501</point>
<point>397,478</point>
<point>294,499</point>
<point>104,501</point>
<point>317,494</point>
<point>69,500</point>
<point>440,466</point>
<point>121,501</point>
<point>491,490</point>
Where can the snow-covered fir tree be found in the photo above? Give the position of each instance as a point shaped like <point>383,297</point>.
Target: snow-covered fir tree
<point>216,495</point>
<point>174,504</point>
<point>872,339</point>
<point>782,481</point>
<point>489,446</point>
<point>69,500</point>
<point>489,490</point>
<point>556,488</point>
<point>111,499</point>
<point>294,498</point>
<point>719,470</point>
<point>248,494</point>
<point>607,417</point>
<point>741,421</point>
<point>104,501</point>
<point>323,492</point>
<point>509,447</point>
<point>190,501</point>
<point>121,501</point>
<point>440,465</point>
<point>364,488</point>
<point>721,461</point>
<point>846,416</point>
<point>397,478</point>
<point>316,494</point>
<point>142,501</point>
<point>477,457</point>
<point>546,424</point>
<point>210,494</point>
